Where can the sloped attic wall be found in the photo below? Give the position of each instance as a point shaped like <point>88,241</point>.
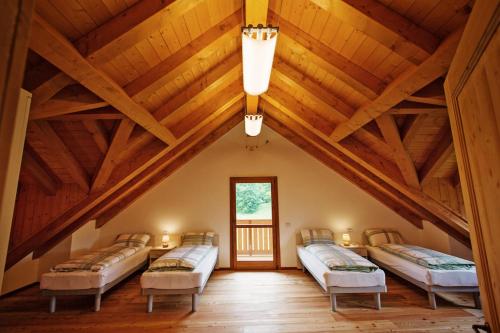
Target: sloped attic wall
<point>196,197</point>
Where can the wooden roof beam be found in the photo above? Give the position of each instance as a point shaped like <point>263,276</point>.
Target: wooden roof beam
<point>45,133</point>
<point>390,131</point>
<point>37,169</point>
<point>49,88</point>
<point>98,114</point>
<point>438,156</point>
<point>386,172</point>
<point>431,94</point>
<point>402,87</point>
<point>69,100</point>
<point>54,47</point>
<point>323,56</point>
<point>81,213</point>
<point>385,25</point>
<point>98,134</point>
<point>411,127</point>
<point>406,108</point>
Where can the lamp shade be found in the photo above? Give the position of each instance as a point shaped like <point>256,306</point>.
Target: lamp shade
<point>346,238</point>
<point>165,238</point>
<point>253,124</point>
<point>258,54</point>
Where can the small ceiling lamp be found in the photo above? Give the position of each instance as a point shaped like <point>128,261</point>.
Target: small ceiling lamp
<point>253,124</point>
<point>258,44</point>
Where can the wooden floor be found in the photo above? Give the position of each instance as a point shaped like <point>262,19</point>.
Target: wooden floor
<point>283,301</point>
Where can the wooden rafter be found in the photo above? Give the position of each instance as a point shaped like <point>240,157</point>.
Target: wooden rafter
<point>405,85</point>
<point>438,156</point>
<point>390,131</point>
<point>386,26</point>
<point>431,94</point>
<point>405,108</point>
<point>49,88</point>
<point>385,171</point>
<point>94,203</point>
<point>44,132</point>
<point>345,70</point>
<point>411,127</point>
<point>100,114</point>
<point>98,134</point>
<point>38,170</point>
<point>55,48</point>
<point>69,100</point>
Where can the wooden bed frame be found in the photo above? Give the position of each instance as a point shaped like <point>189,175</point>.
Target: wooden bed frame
<point>97,292</point>
<point>194,292</point>
<point>431,289</point>
<point>334,291</point>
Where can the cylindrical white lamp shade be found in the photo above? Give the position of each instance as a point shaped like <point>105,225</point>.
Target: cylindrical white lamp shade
<point>258,55</point>
<point>346,238</point>
<point>164,240</point>
<point>253,124</point>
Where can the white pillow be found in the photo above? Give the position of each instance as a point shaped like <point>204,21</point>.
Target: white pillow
<point>378,237</point>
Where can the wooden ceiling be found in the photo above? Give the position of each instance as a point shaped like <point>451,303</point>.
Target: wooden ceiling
<point>127,91</point>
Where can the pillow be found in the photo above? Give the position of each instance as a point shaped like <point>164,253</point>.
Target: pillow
<point>316,236</point>
<point>198,238</point>
<point>133,240</point>
<point>378,237</point>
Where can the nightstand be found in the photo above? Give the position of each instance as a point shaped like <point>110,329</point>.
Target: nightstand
<point>157,252</point>
<point>358,249</point>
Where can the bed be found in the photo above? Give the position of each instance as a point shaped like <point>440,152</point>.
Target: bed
<point>431,280</point>
<point>87,282</point>
<point>178,282</point>
<point>336,282</point>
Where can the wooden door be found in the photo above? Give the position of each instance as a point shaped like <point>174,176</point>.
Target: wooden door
<point>473,95</point>
<point>254,223</point>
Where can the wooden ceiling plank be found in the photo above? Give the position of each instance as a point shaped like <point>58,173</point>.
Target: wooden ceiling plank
<point>387,173</point>
<point>348,72</point>
<point>390,131</point>
<point>44,178</point>
<point>438,156</point>
<point>402,87</point>
<point>69,100</point>
<point>45,133</point>
<point>98,134</point>
<point>130,27</point>
<point>55,48</point>
<point>118,144</point>
<point>85,210</point>
<point>49,88</point>
<point>385,25</point>
<point>183,60</point>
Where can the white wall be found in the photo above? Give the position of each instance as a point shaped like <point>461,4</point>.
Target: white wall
<point>196,197</point>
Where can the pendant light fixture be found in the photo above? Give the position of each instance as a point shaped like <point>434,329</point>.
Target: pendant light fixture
<point>258,44</point>
<point>253,124</point>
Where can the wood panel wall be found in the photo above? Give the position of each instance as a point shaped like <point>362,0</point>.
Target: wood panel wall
<point>442,190</point>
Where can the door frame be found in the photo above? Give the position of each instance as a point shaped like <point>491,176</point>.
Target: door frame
<point>276,264</point>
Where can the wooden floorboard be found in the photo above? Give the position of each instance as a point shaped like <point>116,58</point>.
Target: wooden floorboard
<point>281,301</point>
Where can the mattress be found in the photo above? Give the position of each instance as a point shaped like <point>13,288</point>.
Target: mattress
<point>182,279</point>
<point>331,278</point>
<point>90,280</point>
<point>431,277</point>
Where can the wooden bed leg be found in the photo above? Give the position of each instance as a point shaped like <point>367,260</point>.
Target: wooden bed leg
<point>150,303</point>
<point>333,301</point>
<point>52,304</point>
<point>432,300</point>
<point>477,300</point>
<point>194,300</point>
<point>97,302</point>
<point>378,304</point>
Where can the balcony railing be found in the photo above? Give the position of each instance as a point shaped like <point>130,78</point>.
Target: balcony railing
<point>254,240</point>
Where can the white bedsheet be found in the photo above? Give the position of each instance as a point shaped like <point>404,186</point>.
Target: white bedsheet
<point>431,277</point>
<point>182,279</point>
<point>331,278</point>
<point>88,280</point>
